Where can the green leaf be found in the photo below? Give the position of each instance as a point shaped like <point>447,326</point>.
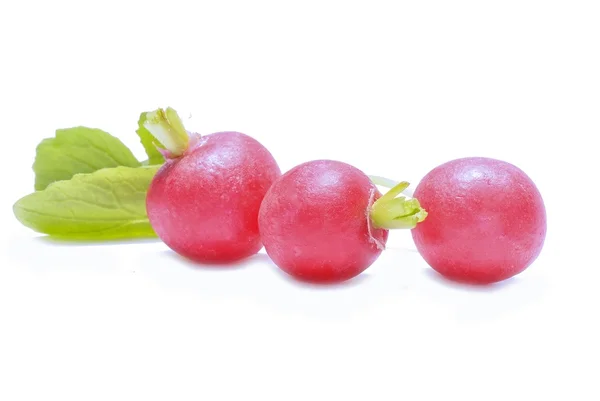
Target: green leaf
<point>149,142</point>
<point>78,150</point>
<point>107,204</point>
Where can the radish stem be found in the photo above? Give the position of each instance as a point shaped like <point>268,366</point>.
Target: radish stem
<point>387,183</point>
<point>168,129</point>
<point>391,212</point>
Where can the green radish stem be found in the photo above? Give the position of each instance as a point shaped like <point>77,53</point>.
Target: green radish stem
<point>393,212</point>
<point>387,183</point>
<point>166,126</point>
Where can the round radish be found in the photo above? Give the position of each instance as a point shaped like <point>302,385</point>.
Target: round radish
<point>486,222</point>
<point>204,201</point>
<point>325,221</point>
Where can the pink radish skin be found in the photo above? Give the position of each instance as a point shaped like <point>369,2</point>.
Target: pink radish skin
<point>325,221</point>
<point>204,203</point>
<point>486,220</point>
<point>314,222</point>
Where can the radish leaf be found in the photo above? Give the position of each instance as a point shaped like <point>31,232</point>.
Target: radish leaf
<point>78,150</point>
<point>107,204</point>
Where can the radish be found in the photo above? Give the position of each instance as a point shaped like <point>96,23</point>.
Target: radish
<point>204,201</point>
<point>325,221</point>
<point>486,222</point>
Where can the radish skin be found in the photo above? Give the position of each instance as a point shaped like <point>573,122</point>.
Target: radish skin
<point>325,221</point>
<point>203,203</point>
<point>486,223</point>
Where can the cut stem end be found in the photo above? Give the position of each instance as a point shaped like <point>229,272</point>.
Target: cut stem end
<point>166,126</point>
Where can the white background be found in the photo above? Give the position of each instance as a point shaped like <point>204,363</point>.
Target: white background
<point>394,88</point>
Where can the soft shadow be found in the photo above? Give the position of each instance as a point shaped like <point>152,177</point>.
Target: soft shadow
<point>85,242</point>
<point>301,284</point>
<point>256,279</point>
<point>240,264</point>
<point>264,259</point>
<point>484,288</point>
<point>44,255</point>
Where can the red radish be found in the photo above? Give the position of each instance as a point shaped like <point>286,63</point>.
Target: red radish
<point>204,201</point>
<point>325,221</point>
<point>486,222</point>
